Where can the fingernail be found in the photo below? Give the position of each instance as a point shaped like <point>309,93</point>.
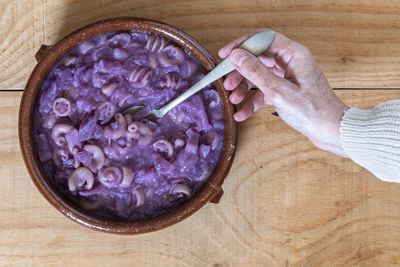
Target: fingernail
<point>237,57</point>
<point>226,84</point>
<point>236,117</point>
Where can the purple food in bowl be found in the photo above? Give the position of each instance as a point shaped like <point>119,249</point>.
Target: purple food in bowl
<point>127,167</point>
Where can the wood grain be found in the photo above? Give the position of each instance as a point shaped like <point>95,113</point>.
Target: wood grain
<point>357,43</point>
<point>286,203</point>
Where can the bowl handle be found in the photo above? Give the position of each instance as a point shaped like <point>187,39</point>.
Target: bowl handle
<point>217,196</point>
<point>42,51</point>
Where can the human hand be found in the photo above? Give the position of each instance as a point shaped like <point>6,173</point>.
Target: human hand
<point>288,78</point>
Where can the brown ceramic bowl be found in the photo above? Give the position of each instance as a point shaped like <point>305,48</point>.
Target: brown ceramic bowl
<point>47,56</point>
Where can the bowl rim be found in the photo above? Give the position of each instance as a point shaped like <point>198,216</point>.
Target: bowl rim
<point>26,139</point>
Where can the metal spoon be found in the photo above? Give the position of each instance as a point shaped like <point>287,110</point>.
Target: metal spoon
<point>256,44</point>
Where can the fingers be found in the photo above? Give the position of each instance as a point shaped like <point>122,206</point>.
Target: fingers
<point>251,105</point>
<point>271,64</point>
<point>240,92</point>
<point>224,51</point>
<point>251,68</point>
<point>232,80</point>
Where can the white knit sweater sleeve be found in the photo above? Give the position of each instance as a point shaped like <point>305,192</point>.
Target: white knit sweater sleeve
<point>371,138</point>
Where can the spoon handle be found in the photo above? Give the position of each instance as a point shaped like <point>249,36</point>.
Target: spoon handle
<point>256,44</point>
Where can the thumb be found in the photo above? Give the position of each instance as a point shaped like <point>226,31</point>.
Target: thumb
<point>251,68</point>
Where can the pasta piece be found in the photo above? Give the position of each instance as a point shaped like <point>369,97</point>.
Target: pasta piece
<point>49,121</point>
<point>77,163</point>
<point>62,107</point>
<point>86,46</point>
<point>141,132</point>
<point>155,43</point>
<point>98,158</point>
<point>59,131</point>
<point>128,118</point>
<point>73,141</point>
<point>213,98</point>
<point>69,60</point>
<point>181,190</point>
<point>106,111</point>
<point>187,68</point>
<point>171,55</point>
<point>119,40</point>
<point>165,147</point>
<point>114,151</point>
<point>127,177</point>
<point>64,155</point>
<point>179,143</point>
<point>120,54</point>
<point>213,139</point>
<point>116,129</point>
<point>110,176</point>
<point>140,198</point>
<point>108,89</point>
<point>139,77</point>
<point>81,176</point>
<point>171,81</point>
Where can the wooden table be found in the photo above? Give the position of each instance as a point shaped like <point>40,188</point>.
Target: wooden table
<point>286,203</point>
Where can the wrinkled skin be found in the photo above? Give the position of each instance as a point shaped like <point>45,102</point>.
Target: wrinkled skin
<point>288,78</point>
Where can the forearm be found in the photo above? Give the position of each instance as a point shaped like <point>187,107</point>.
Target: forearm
<point>371,138</point>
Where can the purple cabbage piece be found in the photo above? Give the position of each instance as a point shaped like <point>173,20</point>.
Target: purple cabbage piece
<point>118,95</point>
<point>86,130</point>
<point>119,40</point>
<point>123,206</point>
<point>100,79</point>
<point>87,75</point>
<point>47,98</point>
<point>198,113</point>
<point>78,76</point>
<point>146,178</point>
<point>184,165</point>
<point>112,67</point>
<point>193,111</point>
<point>64,78</point>
<point>73,139</point>
<point>192,144</point>
<point>204,150</point>
<point>105,112</point>
<point>84,105</point>
<point>139,36</point>
<point>104,52</point>
<point>86,159</point>
<point>43,148</point>
<point>139,58</point>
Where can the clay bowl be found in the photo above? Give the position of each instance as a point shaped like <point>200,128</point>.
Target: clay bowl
<point>47,56</point>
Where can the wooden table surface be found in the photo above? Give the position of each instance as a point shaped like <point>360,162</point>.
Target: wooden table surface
<point>286,203</point>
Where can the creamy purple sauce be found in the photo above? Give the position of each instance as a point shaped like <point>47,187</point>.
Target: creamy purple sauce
<point>126,166</point>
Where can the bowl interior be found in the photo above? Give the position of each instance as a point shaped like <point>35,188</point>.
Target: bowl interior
<point>62,203</point>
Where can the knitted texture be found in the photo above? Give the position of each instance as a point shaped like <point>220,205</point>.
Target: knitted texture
<point>371,138</point>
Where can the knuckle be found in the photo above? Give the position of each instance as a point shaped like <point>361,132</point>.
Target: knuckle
<point>255,70</point>
<point>302,52</point>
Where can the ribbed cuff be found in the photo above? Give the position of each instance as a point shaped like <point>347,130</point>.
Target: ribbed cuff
<point>371,138</point>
